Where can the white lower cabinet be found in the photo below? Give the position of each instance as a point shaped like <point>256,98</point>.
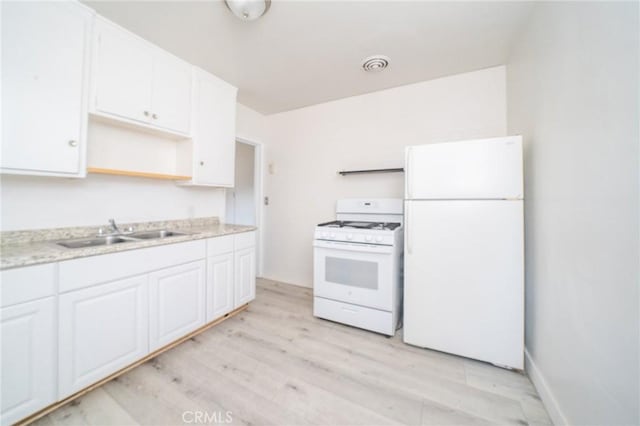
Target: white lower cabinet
<point>28,379</point>
<point>245,275</point>
<point>112,310</point>
<point>177,303</point>
<point>231,273</point>
<point>219,285</point>
<point>101,330</point>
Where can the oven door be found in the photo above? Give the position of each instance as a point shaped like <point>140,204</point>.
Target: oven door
<point>360,274</point>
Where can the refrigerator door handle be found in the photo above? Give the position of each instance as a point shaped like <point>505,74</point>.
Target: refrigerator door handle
<point>407,229</point>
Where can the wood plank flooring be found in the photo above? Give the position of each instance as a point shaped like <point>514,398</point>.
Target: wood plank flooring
<point>275,364</point>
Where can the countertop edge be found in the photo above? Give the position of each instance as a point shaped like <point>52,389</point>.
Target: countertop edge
<point>52,253</point>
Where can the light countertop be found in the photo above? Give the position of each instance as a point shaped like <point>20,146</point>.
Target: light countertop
<point>26,248</point>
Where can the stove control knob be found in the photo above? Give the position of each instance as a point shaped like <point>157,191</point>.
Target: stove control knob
<point>349,236</point>
<point>332,235</point>
<point>325,235</point>
<point>368,238</point>
<point>379,238</point>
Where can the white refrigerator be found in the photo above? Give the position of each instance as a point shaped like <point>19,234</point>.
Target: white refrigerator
<point>464,249</point>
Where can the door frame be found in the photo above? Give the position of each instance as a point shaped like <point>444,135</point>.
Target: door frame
<point>258,185</point>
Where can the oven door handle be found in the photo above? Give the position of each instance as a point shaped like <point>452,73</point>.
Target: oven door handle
<point>362,248</point>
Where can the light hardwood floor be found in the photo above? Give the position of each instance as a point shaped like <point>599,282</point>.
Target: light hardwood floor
<point>275,364</point>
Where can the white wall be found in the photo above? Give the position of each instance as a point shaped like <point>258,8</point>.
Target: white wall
<point>250,124</point>
<point>241,201</point>
<point>306,148</point>
<point>40,202</point>
<point>573,92</point>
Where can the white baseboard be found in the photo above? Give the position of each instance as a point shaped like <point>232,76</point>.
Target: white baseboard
<point>286,282</point>
<point>541,385</point>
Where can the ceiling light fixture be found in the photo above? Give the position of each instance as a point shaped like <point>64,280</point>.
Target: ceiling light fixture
<point>375,63</point>
<point>248,10</point>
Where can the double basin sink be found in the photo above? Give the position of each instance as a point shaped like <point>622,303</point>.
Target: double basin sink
<point>119,238</point>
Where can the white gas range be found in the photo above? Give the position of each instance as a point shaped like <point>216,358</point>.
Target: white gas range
<point>357,265</point>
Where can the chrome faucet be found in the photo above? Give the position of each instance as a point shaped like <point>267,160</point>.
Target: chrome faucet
<point>113,228</point>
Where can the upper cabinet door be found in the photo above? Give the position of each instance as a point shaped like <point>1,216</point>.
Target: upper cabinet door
<point>134,81</point>
<point>171,97</point>
<point>215,134</point>
<point>123,73</point>
<point>44,87</point>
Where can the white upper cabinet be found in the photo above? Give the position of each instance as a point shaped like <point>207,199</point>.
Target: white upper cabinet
<point>122,75</point>
<point>212,159</point>
<point>171,97</point>
<point>136,82</point>
<point>44,87</point>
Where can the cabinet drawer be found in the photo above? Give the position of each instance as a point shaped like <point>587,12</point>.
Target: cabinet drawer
<point>245,240</point>
<point>357,316</point>
<point>220,245</point>
<point>30,283</point>
<point>85,272</point>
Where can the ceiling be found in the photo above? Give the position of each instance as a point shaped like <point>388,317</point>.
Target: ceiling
<point>307,52</point>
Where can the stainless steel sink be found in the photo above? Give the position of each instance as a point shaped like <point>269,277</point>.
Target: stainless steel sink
<point>117,239</point>
<point>93,241</point>
<point>162,233</point>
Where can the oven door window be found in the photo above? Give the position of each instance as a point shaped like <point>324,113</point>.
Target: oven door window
<point>352,272</point>
<point>362,275</point>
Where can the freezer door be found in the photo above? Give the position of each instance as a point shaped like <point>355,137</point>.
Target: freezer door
<point>477,169</point>
<point>464,282</point>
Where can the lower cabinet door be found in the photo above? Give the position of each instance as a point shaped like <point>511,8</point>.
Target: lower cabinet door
<point>177,303</point>
<point>101,330</point>
<point>28,378</point>
<point>245,276</point>
<point>219,286</point>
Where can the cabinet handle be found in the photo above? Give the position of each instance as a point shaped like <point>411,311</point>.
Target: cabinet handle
<point>146,113</point>
<point>202,163</point>
<point>155,117</point>
<point>73,143</point>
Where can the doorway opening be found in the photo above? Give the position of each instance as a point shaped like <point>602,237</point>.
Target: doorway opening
<point>244,200</point>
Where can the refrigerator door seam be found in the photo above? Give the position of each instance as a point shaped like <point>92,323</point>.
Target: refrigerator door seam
<point>464,199</point>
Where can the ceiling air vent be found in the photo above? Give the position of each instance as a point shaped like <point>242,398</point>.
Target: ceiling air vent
<point>375,63</point>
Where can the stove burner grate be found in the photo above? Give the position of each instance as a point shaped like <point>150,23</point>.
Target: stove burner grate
<point>361,225</point>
